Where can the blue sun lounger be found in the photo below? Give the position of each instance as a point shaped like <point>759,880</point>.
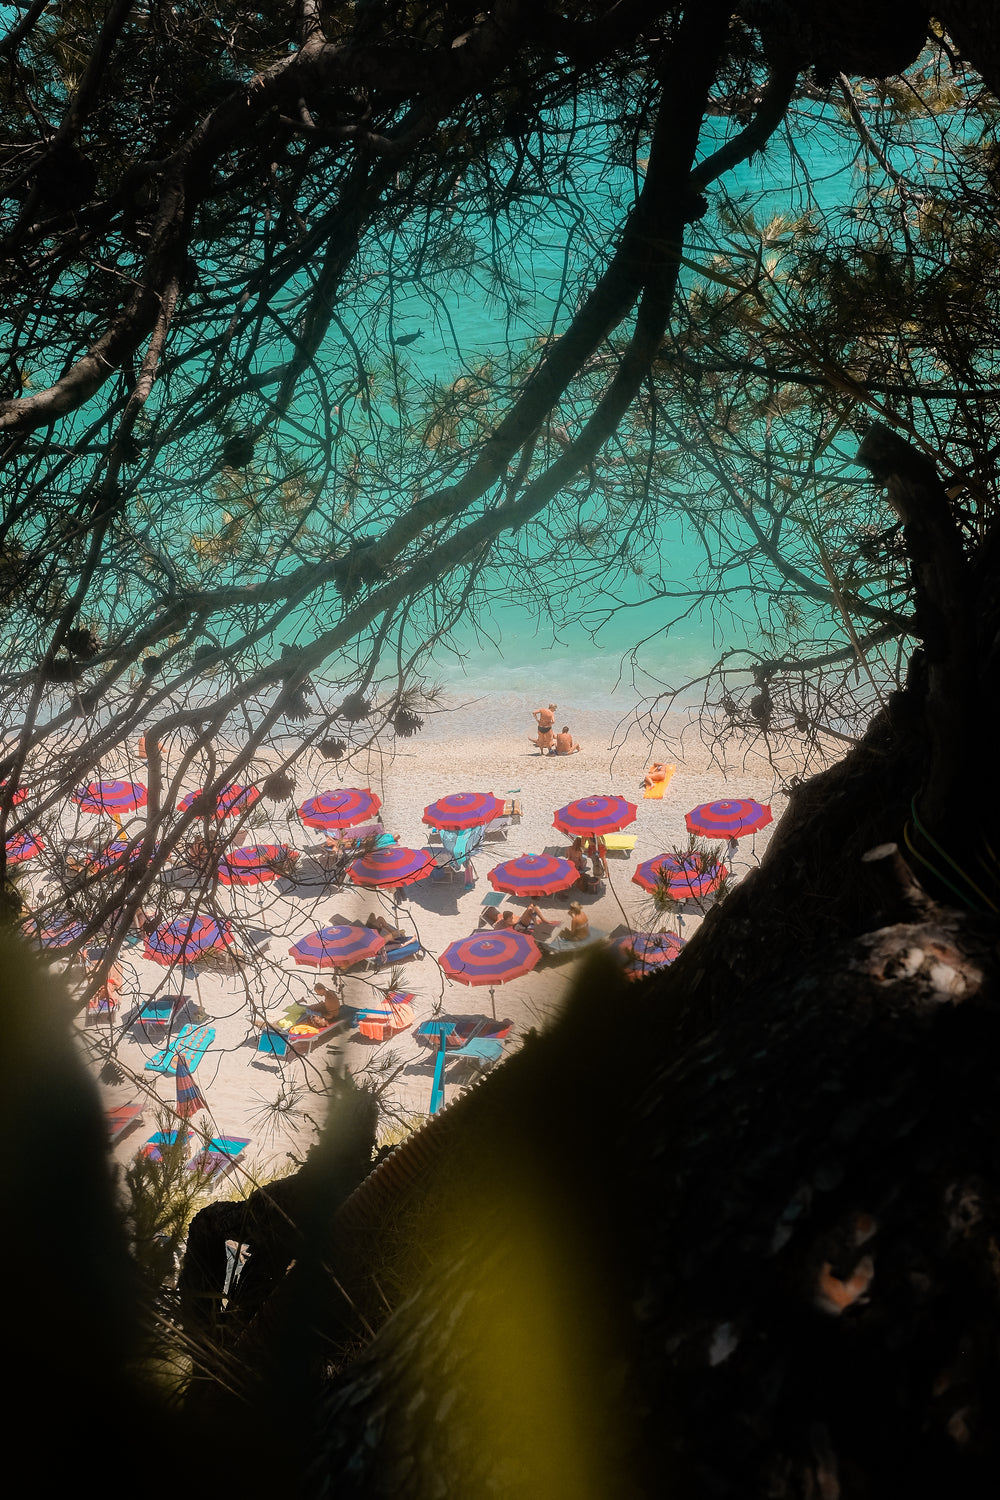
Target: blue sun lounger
<point>218,1156</point>
<point>479,1049</point>
<point>162,1139</point>
<point>192,1041</point>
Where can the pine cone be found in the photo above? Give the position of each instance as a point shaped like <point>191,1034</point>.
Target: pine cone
<point>332,749</point>
<point>405,723</point>
<point>82,642</point>
<point>150,666</point>
<point>278,786</point>
<point>354,707</point>
<point>87,702</point>
<point>294,705</point>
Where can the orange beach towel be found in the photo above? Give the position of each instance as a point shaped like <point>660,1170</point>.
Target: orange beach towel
<point>663,774</point>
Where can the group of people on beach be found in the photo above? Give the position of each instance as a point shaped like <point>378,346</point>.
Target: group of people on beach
<point>547,740</point>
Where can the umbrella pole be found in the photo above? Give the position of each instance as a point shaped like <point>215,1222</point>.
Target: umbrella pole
<point>493,1002</point>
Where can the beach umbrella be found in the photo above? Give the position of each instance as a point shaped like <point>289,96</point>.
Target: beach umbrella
<point>60,934</point>
<point>728,820</point>
<point>190,1098</point>
<point>337,947</point>
<point>112,797</point>
<point>232,799</point>
<point>119,852</point>
<point>182,940</point>
<point>594,815</point>
<point>645,951</point>
<point>685,875</point>
<point>18,796</point>
<point>464,810</point>
<point>251,864</point>
<point>490,957</point>
<point>23,846</point>
<point>340,809</point>
<point>534,875</point>
<point>392,866</point>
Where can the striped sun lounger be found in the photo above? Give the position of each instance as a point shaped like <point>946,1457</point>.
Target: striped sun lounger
<point>192,1041</point>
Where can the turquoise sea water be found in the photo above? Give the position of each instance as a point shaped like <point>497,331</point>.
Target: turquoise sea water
<point>503,647</point>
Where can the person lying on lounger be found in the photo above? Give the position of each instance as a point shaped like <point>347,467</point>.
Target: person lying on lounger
<point>380,925</point>
<point>528,918</point>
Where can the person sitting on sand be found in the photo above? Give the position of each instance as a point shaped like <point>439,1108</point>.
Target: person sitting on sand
<point>565,743</point>
<point>528,918</point>
<point>579,927</point>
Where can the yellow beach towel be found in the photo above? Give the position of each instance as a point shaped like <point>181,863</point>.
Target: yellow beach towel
<point>659,787</point>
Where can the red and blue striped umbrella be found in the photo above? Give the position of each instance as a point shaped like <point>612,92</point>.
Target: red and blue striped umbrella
<point>190,1098</point>
<point>182,940</point>
<point>23,846</point>
<point>728,820</point>
<point>253,863</point>
<point>114,797</point>
<point>337,947</point>
<point>490,957</point>
<point>645,951</point>
<point>231,800</point>
<point>594,815</point>
<point>60,934</point>
<point>18,796</point>
<point>464,810</point>
<point>115,855</point>
<point>534,875</point>
<point>340,809</point>
<point>391,866</point>
<point>684,874</point>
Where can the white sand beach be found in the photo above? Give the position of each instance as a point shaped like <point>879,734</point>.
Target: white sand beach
<point>481,746</point>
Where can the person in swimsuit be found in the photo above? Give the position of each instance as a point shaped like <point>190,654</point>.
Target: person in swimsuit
<point>579,927</point>
<point>565,743</point>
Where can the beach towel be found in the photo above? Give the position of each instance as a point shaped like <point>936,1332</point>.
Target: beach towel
<point>659,787</point>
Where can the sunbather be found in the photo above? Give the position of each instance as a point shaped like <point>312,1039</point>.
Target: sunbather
<point>579,927</point>
<point>545,741</point>
<point>528,918</point>
<point>565,743</point>
<point>656,773</point>
<point>327,1004</point>
<point>380,925</point>
<point>545,717</point>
